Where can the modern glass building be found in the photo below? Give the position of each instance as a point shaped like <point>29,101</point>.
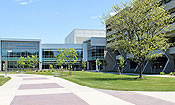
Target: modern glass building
<point>49,51</point>
<point>94,48</point>
<point>12,49</point>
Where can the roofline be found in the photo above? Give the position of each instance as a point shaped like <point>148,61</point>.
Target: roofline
<point>59,44</point>
<point>90,29</point>
<point>19,39</point>
<point>85,29</point>
<point>92,38</point>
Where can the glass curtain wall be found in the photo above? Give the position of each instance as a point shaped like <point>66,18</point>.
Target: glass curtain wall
<point>18,49</point>
<point>95,52</point>
<point>49,58</point>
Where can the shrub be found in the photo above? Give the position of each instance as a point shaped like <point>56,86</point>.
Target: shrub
<point>162,73</point>
<point>172,74</point>
<point>25,70</point>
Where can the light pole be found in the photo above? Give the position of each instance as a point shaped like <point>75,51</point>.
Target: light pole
<point>6,63</point>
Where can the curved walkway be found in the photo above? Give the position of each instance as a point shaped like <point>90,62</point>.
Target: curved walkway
<point>25,89</point>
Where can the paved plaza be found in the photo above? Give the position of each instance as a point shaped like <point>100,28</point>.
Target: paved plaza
<point>27,89</point>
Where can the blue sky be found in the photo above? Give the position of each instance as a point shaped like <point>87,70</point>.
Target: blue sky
<point>50,20</point>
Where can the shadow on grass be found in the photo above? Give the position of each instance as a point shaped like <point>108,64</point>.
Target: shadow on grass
<point>109,79</point>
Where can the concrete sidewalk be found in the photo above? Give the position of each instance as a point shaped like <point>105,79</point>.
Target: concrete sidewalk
<point>25,89</point>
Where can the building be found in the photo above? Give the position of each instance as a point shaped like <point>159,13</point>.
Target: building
<point>49,51</point>
<point>162,64</point>
<point>12,49</point>
<point>94,48</point>
<point>77,36</point>
<point>88,50</point>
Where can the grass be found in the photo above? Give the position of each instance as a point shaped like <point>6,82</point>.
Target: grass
<point>9,72</point>
<point>118,82</point>
<point>3,80</point>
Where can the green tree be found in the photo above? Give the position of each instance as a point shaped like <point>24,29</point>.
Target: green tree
<point>67,56</point>
<point>121,64</point>
<point>84,64</point>
<point>140,28</point>
<point>28,62</point>
<point>98,63</point>
<point>51,66</point>
<point>72,58</point>
<point>60,57</point>
<point>21,62</point>
<point>34,61</point>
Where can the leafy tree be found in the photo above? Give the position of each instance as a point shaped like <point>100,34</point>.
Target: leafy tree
<point>72,58</point>
<point>51,66</point>
<point>67,56</point>
<point>140,30</point>
<point>21,62</point>
<point>98,63</point>
<point>28,61</point>
<point>121,64</point>
<point>60,57</point>
<point>84,64</point>
<point>34,61</point>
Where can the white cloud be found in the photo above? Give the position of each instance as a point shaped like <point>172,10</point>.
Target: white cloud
<point>24,2</point>
<point>96,17</point>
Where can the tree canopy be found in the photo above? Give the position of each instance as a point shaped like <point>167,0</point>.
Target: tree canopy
<point>139,29</point>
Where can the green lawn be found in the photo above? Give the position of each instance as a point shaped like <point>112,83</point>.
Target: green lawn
<point>9,72</point>
<point>3,80</point>
<point>119,82</point>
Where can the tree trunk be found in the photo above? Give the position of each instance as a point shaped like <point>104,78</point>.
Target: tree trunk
<point>70,70</point>
<point>140,70</point>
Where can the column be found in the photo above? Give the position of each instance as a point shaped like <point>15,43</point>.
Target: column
<point>88,65</point>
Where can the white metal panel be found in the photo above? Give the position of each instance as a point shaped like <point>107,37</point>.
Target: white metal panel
<point>70,38</point>
<point>98,41</point>
<point>77,36</point>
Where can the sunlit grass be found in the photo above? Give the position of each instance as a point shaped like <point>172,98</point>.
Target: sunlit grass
<point>117,82</point>
<point>3,80</point>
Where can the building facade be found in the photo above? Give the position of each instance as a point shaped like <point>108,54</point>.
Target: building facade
<point>12,49</point>
<point>77,36</point>
<point>49,51</point>
<point>94,48</point>
<point>162,64</point>
<point>88,50</point>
